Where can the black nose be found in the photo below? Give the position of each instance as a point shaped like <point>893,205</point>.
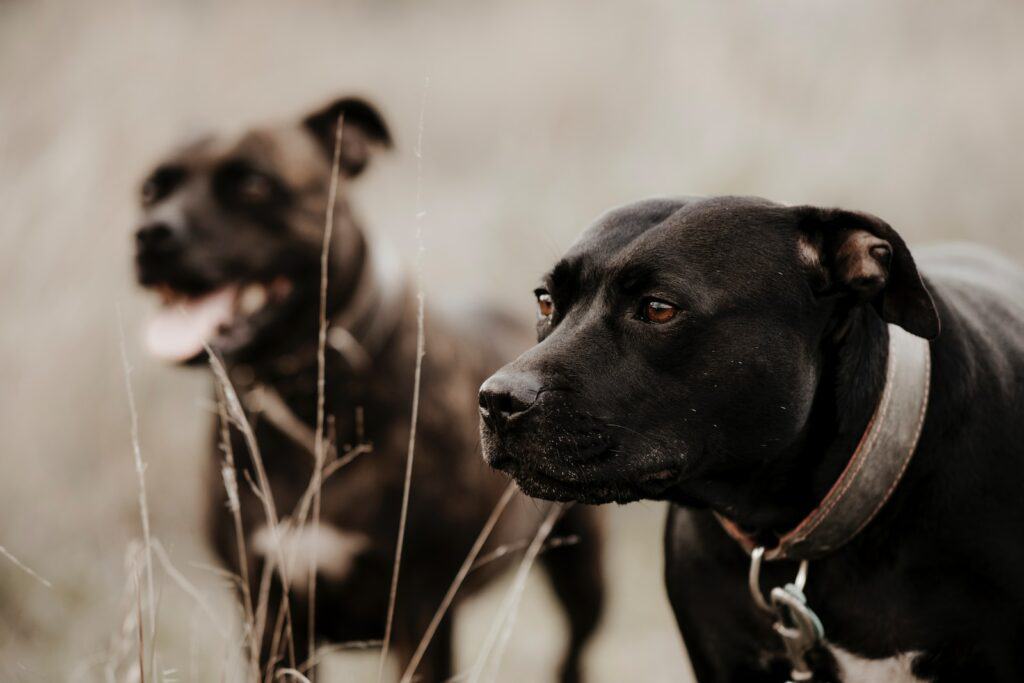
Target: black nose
<point>154,236</point>
<point>507,395</point>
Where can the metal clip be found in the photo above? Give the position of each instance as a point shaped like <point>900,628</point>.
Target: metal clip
<point>795,622</point>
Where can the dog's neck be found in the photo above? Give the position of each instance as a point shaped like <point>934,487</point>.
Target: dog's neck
<point>774,498</point>
<point>364,298</point>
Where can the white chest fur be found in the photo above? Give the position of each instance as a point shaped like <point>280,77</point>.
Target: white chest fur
<point>327,548</point>
<point>854,669</point>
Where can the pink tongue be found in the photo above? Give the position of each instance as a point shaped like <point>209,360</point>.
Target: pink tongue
<point>177,331</point>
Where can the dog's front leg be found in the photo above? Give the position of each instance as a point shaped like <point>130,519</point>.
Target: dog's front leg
<point>727,639</point>
<point>436,665</point>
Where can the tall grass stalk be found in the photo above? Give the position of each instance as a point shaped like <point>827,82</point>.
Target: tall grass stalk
<point>237,414</point>
<point>467,564</point>
<point>319,450</point>
<point>23,567</point>
<point>190,589</point>
<point>139,626</point>
<point>403,515</point>
<point>501,627</point>
<point>229,474</point>
<point>140,473</point>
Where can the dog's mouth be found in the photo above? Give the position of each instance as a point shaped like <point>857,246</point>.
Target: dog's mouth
<point>594,486</point>
<point>224,317</point>
<point>596,491</point>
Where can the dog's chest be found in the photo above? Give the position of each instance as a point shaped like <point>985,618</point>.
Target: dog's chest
<point>326,549</point>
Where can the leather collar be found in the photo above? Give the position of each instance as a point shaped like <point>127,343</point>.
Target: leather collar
<point>876,466</point>
<point>360,330</point>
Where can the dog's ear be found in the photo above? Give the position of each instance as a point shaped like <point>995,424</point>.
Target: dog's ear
<point>362,129</point>
<point>861,256</point>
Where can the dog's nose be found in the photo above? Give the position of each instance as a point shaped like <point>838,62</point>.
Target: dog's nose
<point>507,395</point>
<point>154,236</point>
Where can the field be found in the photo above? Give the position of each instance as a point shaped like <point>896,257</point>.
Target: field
<point>537,116</point>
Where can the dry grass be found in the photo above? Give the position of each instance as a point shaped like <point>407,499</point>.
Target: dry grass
<point>493,650</point>
<point>140,473</point>
<point>23,567</point>
<point>281,563</point>
<point>229,475</point>
<point>467,565</point>
<point>417,379</point>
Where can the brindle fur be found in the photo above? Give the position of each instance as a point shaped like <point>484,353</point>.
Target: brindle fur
<point>216,240</point>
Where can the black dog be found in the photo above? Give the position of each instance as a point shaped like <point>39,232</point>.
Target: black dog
<point>231,237</point>
<point>728,355</point>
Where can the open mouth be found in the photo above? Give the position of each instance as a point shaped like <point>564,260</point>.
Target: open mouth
<point>184,323</point>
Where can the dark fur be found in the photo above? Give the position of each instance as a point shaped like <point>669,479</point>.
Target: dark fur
<point>749,403</point>
<point>202,230</point>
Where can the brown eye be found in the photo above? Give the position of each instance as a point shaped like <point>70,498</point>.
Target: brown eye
<point>657,312</point>
<point>545,304</point>
<point>255,188</point>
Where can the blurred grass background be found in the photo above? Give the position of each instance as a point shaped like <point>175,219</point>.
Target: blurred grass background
<point>539,116</point>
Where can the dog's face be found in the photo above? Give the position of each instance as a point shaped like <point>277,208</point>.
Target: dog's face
<point>680,344</point>
<point>231,230</point>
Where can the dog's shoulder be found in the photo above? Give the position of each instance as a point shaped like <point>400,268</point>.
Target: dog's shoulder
<point>960,264</point>
<point>980,295</point>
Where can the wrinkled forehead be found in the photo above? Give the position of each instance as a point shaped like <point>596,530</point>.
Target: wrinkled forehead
<point>600,245</point>
<point>287,152</point>
<point>728,246</point>
<point>620,227</point>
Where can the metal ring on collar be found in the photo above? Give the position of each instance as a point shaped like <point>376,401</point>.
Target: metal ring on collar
<point>754,578</point>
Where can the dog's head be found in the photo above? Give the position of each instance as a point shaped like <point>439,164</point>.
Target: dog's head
<point>680,342</point>
<point>232,229</point>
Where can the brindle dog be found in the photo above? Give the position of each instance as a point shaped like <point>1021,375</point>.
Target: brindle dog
<point>231,238</point>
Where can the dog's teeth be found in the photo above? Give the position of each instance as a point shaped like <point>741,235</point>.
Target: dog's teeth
<point>252,299</point>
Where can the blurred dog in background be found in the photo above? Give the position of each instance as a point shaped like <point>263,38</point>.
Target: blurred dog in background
<point>231,239</point>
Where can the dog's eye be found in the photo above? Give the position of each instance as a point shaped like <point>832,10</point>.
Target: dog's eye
<point>255,187</point>
<point>656,311</point>
<point>237,183</point>
<point>545,304</point>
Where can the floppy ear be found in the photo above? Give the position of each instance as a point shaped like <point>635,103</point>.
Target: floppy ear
<point>861,256</point>
<point>362,129</point>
